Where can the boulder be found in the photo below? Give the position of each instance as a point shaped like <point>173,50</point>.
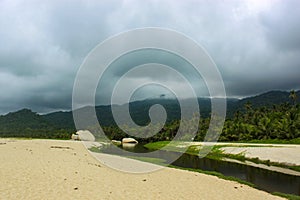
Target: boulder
<point>128,145</point>
<point>85,135</point>
<point>75,137</point>
<point>129,140</point>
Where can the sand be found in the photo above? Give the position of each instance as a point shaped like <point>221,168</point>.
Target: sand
<point>288,154</point>
<point>52,169</point>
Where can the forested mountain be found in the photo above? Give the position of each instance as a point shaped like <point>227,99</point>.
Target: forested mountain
<point>277,122</point>
<point>25,123</point>
<point>25,118</point>
<point>139,109</point>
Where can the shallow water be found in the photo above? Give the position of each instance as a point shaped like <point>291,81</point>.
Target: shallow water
<point>264,179</point>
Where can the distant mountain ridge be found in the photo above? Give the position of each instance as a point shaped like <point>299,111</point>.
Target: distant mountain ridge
<point>269,98</point>
<point>60,122</point>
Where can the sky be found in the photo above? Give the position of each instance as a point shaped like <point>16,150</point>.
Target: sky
<point>254,43</point>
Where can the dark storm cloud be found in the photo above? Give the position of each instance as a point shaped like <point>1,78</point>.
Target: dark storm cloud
<point>255,44</point>
<point>282,25</point>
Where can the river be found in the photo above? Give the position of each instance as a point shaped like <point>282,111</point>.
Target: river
<point>263,179</point>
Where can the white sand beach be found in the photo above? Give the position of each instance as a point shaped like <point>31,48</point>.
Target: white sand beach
<point>53,169</point>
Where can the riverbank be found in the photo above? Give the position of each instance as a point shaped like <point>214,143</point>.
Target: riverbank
<point>284,156</point>
<point>52,169</point>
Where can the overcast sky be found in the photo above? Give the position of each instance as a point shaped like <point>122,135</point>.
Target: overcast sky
<point>254,43</point>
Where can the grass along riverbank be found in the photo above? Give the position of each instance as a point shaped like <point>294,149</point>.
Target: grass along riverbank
<point>217,153</point>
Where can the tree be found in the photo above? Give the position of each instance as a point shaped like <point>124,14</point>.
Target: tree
<point>293,96</point>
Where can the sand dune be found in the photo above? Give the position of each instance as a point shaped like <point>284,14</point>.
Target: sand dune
<point>51,169</point>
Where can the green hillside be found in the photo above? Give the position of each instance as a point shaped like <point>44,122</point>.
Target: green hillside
<point>25,123</point>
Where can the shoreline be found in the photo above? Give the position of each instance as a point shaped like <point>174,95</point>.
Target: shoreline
<point>55,169</point>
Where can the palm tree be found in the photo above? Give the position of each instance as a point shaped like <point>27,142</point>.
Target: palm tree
<point>293,96</point>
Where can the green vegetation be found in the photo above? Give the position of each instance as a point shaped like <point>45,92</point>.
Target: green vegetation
<point>288,196</point>
<point>279,123</point>
<point>274,141</point>
<point>139,110</point>
<point>27,124</point>
<point>161,144</point>
<point>95,149</point>
<point>249,120</point>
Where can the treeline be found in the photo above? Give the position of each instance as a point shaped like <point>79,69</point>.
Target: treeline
<point>277,122</point>
<point>25,123</point>
<point>249,122</point>
<point>44,133</point>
